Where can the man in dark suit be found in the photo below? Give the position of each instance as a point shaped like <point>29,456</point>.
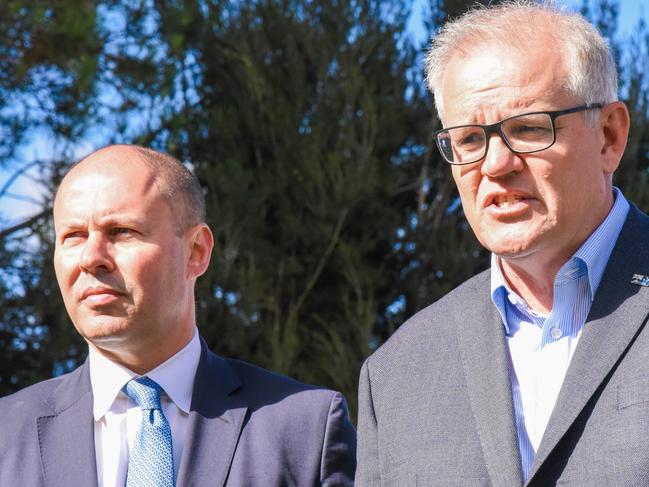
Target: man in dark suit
<point>153,405</point>
<point>535,372</point>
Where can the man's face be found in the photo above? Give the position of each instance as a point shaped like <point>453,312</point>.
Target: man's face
<point>120,264</point>
<point>543,204</point>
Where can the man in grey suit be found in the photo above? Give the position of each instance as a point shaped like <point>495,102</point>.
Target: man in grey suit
<point>153,405</point>
<point>535,372</point>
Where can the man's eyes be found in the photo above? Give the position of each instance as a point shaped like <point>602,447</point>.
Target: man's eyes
<point>122,231</point>
<point>112,233</point>
<point>469,138</point>
<point>530,129</point>
<point>528,126</point>
<point>74,236</point>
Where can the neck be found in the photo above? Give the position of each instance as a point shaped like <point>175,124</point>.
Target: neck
<point>143,358</point>
<point>533,283</point>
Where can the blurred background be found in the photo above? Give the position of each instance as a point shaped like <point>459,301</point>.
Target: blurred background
<point>308,125</point>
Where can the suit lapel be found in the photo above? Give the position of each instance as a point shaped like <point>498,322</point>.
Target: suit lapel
<point>67,437</point>
<point>215,422</point>
<point>619,310</point>
<point>482,345</point>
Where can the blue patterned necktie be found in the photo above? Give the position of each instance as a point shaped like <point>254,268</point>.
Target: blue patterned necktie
<point>151,461</point>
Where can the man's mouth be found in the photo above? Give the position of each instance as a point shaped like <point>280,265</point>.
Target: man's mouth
<point>505,201</point>
<point>100,295</point>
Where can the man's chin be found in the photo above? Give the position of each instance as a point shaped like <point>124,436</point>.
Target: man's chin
<point>105,332</point>
<point>511,248</point>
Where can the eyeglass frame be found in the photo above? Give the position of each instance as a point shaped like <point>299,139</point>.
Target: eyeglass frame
<point>497,128</point>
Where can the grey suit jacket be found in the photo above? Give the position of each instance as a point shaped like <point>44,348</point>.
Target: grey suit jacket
<point>435,400</point>
<point>247,427</point>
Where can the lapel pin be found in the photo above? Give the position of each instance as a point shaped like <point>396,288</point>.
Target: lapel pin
<point>640,280</point>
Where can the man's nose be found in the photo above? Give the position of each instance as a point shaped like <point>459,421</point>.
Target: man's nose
<point>500,160</point>
<point>96,256</point>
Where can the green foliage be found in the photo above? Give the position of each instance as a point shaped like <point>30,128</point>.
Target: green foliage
<point>308,126</point>
<point>301,123</point>
<point>48,57</point>
<point>303,110</point>
<point>633,173</point>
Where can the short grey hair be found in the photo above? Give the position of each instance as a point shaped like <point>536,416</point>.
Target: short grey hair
<point>592,75</point>
<point>178,185</point>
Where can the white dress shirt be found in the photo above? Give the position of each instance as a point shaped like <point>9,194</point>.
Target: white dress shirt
<point>117,418</point>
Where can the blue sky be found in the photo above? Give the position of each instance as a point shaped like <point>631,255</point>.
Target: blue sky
<point>15,209</point>
<point>630,12</point>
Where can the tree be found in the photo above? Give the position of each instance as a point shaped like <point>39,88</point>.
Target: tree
<point>299,120</point>
<point>309,127</point>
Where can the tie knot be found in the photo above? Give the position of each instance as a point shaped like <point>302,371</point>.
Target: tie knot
<point>145,392</point>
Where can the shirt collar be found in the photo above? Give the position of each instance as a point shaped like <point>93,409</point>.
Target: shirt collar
<point>597,249</point>
<point>594,252</point>
<point>175,376</point>
<point>500,290</point>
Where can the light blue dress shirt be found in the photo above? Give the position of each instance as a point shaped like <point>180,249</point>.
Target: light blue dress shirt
<point>541,347</point>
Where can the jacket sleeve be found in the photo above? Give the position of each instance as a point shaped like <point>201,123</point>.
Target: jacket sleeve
<point>367,471</point>
<point>339,449</point>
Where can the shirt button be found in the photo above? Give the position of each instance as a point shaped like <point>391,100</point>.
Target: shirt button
<point>556,333</point>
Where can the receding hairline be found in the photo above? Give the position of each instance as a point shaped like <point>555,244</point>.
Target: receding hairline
<point>519,25</point>
<point>164,170</point>
<point>94,158</point>
<point>499,35</point>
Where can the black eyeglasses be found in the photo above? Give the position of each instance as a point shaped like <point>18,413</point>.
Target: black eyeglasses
<point>523,134</point>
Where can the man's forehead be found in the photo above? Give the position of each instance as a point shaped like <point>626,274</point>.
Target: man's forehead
<point>518,46</point>
<point>117,160</point>
<point>108,159</point>
<point>105,177</point>
<point>496,75</point>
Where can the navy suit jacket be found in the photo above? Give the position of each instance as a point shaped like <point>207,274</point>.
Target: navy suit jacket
<point>247,427</point>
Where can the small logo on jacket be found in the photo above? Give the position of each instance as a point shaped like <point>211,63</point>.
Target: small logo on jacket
<point>640,280</point>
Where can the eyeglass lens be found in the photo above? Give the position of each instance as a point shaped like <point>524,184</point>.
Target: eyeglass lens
<point>525,133</point>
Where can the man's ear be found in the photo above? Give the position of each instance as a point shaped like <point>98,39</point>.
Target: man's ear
<point>201,242</point>
<point>614,123</point>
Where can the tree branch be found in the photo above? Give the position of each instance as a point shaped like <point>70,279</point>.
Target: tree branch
<point>24,224</point>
